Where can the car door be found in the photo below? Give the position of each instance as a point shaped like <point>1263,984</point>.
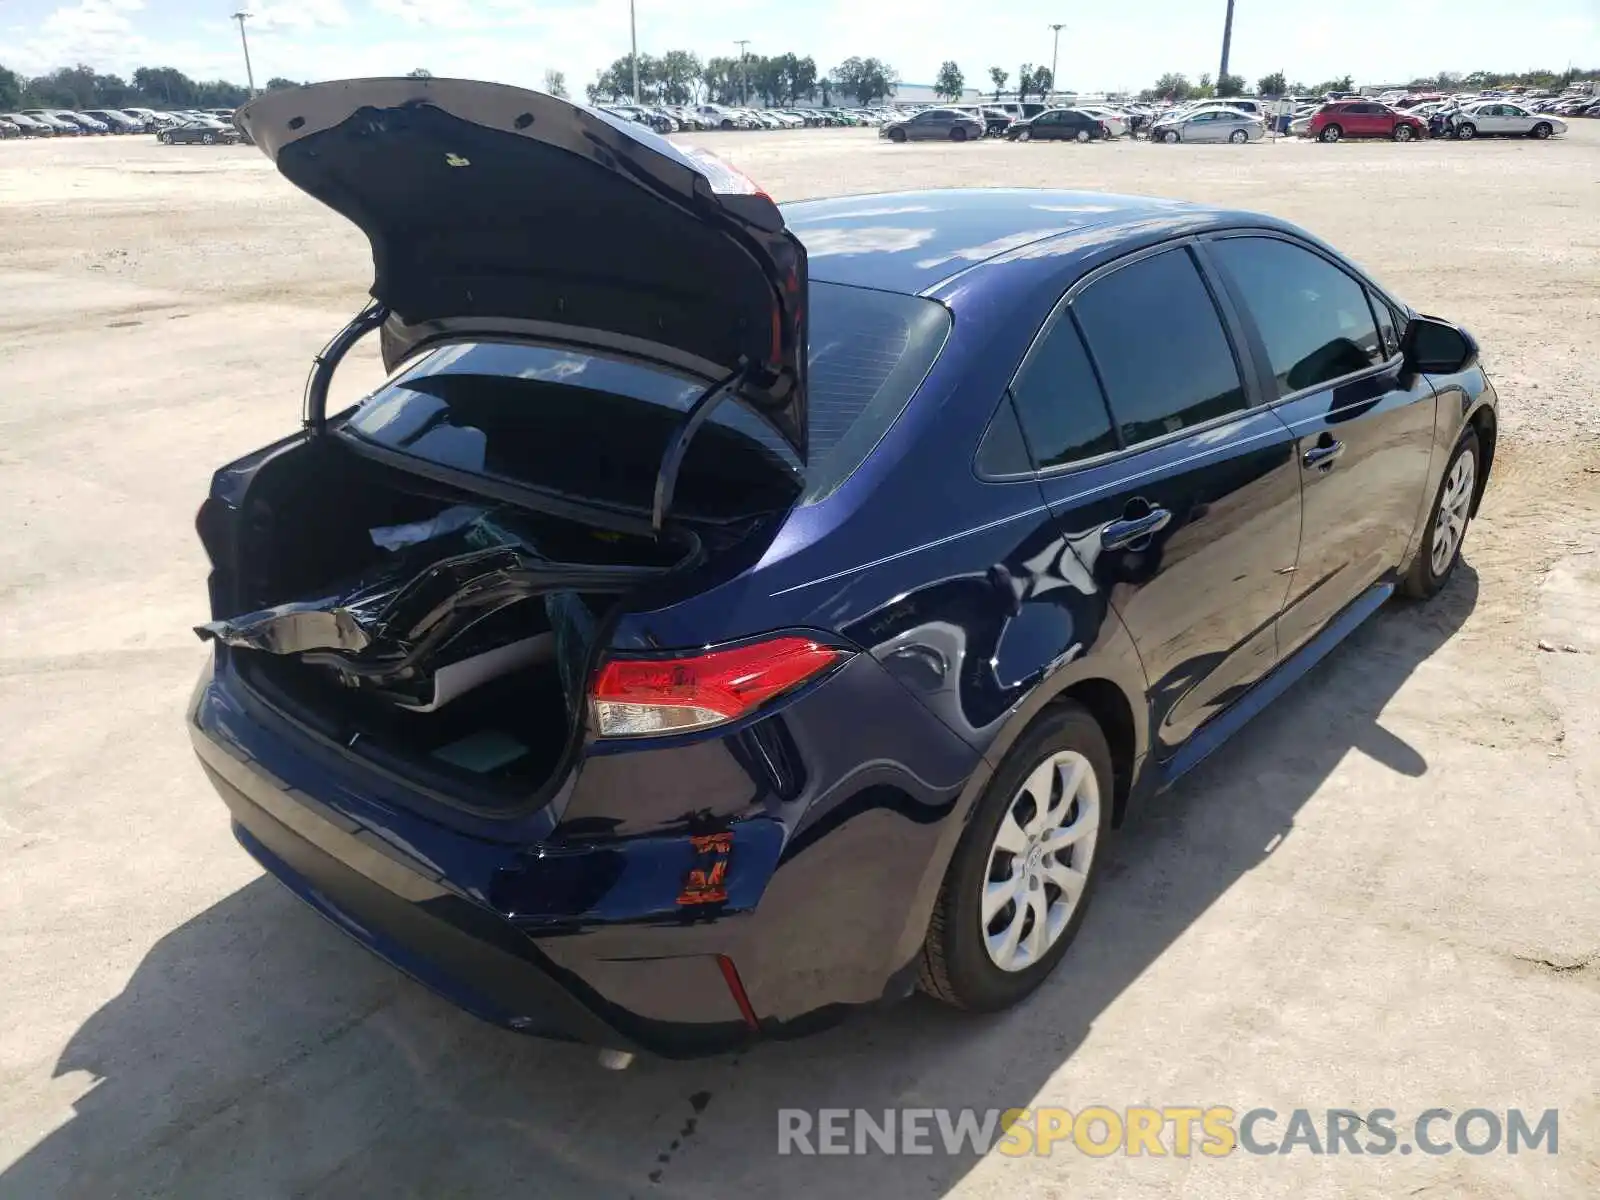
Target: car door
<point>1201,127</point>
<point>1516,120</point>
<point>1364,427</point>
<point>1178,494</point>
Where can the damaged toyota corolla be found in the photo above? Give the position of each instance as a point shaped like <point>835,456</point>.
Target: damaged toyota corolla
<point>723,617</point>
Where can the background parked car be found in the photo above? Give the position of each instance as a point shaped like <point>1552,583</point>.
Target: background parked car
<point>82,120</point>
<point>57,126</point>
<point>1502,118</point>
<point>117,122</point>
<point>1365,118</point>
<point>9,128</point>
<point>1059,124</point>
<point>935,124</point>
<point>1117,122</point>
<point>206,132</point>
<point>1209,125</point>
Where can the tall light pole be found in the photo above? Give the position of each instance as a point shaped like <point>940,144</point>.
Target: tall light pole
<point>1227,44</point>
<point>1055,51</point>
<point>250,76</point>
<point>744,71</point>
<point>633,39</point>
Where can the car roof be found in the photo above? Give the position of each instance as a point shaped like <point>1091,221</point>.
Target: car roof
<point>914,241</point>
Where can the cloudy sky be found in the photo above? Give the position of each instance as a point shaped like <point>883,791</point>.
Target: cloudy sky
<point>1104,46</point>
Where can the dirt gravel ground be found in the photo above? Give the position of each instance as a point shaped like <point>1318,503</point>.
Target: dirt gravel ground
<point>1383,895</point>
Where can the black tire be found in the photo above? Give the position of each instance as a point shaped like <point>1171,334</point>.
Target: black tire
<point>1542,130</point>
<point>955,966</point>
<point>1238,137</point>
<point>1466,131</point>
<point>1403,133</point>
<point>958,134</point>
<point>897,135</point>
<point>1083,135</point>
<point>1330,134</point>
<point>1024,135</point>
<point>1172,137</point>
<point>209,139</point>
<point>1423,581</point>
<point>726,123</point>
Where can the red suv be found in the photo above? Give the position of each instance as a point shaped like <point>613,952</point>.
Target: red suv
<point>1364,118</point>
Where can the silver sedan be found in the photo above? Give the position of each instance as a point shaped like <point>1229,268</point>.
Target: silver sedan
<point>1210,125</point>
<point>1503,117</point>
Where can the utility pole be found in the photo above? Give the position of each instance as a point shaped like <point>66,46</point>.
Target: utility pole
<point>1055,51</point>
<point>250,76</point>
<point>1227,44</point>
<point>633,38</point>
<point>744,72</point>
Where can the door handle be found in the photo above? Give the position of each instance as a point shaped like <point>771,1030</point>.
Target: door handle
<point>1120,534</point>
<point>1323,455</point>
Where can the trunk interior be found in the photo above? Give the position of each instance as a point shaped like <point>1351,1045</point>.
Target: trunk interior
<point>305,530</point>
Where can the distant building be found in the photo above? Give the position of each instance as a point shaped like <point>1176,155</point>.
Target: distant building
<point>922,93</point>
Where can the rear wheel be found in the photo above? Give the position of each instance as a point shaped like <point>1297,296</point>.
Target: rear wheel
<point>1440,548</point>
<point>1238,137</point>
<point>209,139</point>
<point>1330,133</point>
<point>1019,882</point>
<point>1542,130</point>
<point>1403,133</point>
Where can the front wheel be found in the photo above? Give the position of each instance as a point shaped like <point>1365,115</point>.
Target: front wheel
<point>958,134</point>
<point>1466,132</point>
<point>1404,133</point>
<point>1082,135</point>
<point>1023,135</point>
<point>1542,130</point>
<point>1019,883</point>
<point>1330,133</point>
<point>1170,137</point>
<point>1440,548</point>
<point>897,135</point>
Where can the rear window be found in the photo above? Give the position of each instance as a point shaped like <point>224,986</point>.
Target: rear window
<point>592,426</point>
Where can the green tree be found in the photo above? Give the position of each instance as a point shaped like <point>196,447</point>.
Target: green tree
<point>555,84</point>
<point>800,75</point>
<point>677,76</point>
<point>278,81</point>
<point>1230,85</point>
<point>1173,86</point>
<point>1273,85</point>
<point>998,78</point>
<point>949,84</point>
<point>1205,88</point>
<point>721,80</point>
<point>1024,81</point>
<point>867,79</point>
<point>10,89</point>
<point>165,87</point>
<point>1043,81</point>
<point>419,73</point>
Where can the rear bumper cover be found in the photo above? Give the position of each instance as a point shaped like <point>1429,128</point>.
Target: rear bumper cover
<point>489,925</point>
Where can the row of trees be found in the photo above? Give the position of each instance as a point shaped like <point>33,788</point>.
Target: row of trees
<point>151,87</point>
<point>681,77</point>
<point>1175,86</point>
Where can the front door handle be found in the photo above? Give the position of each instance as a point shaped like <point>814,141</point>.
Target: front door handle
<point>1323,455</point>
<point>1121,534</point>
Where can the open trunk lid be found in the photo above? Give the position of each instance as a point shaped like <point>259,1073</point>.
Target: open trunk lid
<point>499,213</point>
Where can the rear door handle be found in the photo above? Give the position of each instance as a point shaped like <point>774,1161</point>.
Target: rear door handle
<point>1322,455</point>
<point>1120,534</point>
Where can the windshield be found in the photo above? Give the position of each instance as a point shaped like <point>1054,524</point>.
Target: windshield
<point>592,426</point>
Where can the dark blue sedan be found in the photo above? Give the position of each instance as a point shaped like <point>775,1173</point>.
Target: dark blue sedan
<point>725,615</point>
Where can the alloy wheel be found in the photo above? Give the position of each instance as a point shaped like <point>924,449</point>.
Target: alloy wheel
<point>1040,860</point>
<point>1450,526</point>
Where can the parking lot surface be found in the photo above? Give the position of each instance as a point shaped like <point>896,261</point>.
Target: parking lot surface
<point>1382,895</point>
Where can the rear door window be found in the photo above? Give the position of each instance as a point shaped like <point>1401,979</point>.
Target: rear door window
<point>1158,343</point>
<point>1059,402</point>
<point>1313,318</point>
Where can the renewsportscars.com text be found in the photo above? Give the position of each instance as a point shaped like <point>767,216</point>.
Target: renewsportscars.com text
<point>1179,1131</point>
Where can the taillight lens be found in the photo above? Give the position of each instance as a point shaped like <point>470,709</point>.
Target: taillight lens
<point>635,697</point>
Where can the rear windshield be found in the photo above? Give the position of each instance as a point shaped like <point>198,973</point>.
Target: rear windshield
<point>593,426</point>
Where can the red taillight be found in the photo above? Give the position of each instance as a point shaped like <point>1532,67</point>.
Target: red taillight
<point>637,696</point>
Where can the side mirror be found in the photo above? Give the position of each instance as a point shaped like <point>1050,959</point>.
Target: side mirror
<point>1436,347</point>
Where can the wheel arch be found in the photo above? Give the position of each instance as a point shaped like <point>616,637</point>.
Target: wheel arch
<point>1482,422</point>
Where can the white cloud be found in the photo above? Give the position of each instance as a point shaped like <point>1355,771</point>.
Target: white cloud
<point>298,16</point>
